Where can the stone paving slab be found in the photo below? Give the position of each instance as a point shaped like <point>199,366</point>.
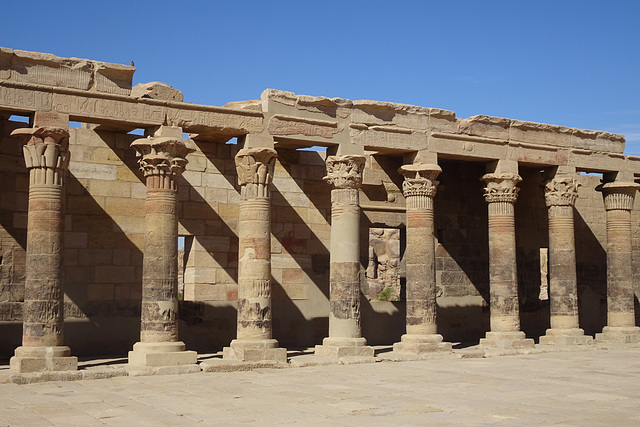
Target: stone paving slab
<point>596,387</point>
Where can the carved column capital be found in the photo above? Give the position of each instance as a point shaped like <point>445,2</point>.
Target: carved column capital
<point>255,171</point>
<point>46,147</point>
<point>618,195</point>
<point>345,171</point>
<point>420,179</point>
<point>163,157</point>
<point>561,191</point>
<point>501,187</point>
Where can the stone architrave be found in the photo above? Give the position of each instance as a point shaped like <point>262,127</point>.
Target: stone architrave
<point>162,159</point>
<point>254,341</point>
<point>344,173</point>
<point>561,193</point>
<point>419,188</point>
<point>501,194</point>
<point>46,155</point>
<point>618,202</point>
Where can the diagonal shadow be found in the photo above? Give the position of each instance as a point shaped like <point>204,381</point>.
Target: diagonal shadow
<point>103,275</point>
<point>532,233</point>
<point>462,251</point>
<point>591,266</point>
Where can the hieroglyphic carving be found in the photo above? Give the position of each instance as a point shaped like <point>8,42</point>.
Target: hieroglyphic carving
<point>25,99</point>
<point>255,171</point>
<point>384,261</point>
<point>258,288</point>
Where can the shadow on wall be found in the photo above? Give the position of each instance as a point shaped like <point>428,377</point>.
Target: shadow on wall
<point>383,322</point>
<point>14,180</point>
<point>103,275</point>
<point>462,252</point>
<point>290,326</point>
<point>207,326</point>
<point>591,265</point>
<point>532,233</point>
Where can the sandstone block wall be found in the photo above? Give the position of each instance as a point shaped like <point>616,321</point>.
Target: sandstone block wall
<point>105,207</point>
<point>104,237</point>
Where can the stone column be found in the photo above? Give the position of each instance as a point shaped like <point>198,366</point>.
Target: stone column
<point>561,193</point>
<point>501,194</point>
<point>618,202</point>
<point>419,188</point>
<point>254,340</point>
<point>344,172</point>
<point>162,159</point>
<point>46,154</point>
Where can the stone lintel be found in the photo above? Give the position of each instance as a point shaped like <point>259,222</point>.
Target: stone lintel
<point>124,112</point>
<point>77,73</point>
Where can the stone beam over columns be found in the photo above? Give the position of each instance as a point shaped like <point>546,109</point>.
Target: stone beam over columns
<point>162,159</point>
<point>619,195</point>
<point>254,343</point>
<point>561,192</point>
<point>344,173</point>
<point>419,188</point>
<point>46,155</point>
<point>117,111</point>
<point>501,193</point>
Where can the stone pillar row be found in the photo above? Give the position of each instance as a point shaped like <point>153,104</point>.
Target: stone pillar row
<point>163,159</point>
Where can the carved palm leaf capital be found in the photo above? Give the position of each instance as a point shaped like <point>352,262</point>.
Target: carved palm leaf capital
<point>561,191</point>
<point>501,187</point>
<point>162,155</point>
<point>345,171</point>
<point>255,165</point>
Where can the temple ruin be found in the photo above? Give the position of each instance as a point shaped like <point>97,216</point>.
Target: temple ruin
<point>303,222</point>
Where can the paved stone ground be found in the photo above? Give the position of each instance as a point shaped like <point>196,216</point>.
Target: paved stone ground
<point>578,388</point>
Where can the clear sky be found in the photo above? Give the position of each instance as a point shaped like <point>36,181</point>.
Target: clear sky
<point>568,62</point>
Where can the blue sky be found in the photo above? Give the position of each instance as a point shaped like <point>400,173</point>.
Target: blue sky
<point>572,63</point>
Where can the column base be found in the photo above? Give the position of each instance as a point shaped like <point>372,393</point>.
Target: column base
<point>336,348</point>
<point>254,351</point>
<point>421,344</point>
<point>507,341</point>
<point>565,337</point>
<point>161,354</point>
<point>619,335</point>
<point>42,359</point>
